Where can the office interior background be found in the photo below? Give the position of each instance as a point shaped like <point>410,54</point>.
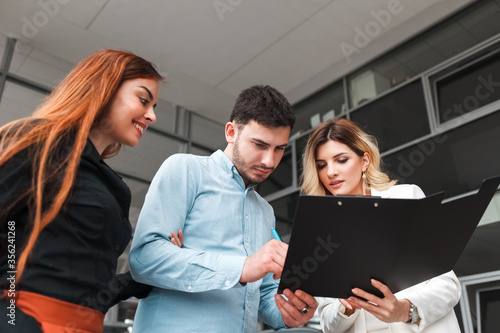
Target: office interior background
<point>423,76</point>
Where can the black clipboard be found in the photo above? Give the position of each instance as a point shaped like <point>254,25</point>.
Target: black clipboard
<point>338,243</point>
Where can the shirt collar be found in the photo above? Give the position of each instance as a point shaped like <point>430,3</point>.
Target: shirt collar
<point>223,161</point>
<point>91,154</point>
<point>228,166</point>
<point>90,151</point>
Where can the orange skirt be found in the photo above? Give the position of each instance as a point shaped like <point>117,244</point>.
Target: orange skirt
<point>56,316</point>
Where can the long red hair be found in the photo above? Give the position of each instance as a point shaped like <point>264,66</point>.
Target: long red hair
<point>73,109</point>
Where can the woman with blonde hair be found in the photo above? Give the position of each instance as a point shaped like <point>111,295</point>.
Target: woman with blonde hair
<point>63,211</point>
<point>341,159</point>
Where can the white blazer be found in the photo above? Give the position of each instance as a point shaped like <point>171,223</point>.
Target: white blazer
<point>434,298</point>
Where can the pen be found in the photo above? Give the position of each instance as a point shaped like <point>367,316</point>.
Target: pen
<point>275,234</point>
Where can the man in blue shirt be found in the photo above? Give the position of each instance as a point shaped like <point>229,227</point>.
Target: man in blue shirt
<point>224,277</point>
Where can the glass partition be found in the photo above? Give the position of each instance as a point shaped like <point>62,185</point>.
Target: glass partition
<point>442,42</point>
<point>166,116</point>
<point>207,131</point>
<point>467,85</point>
<point>395,118</point>
<point>324,105</point>
<point>480,302</point>
<point>198,150</point>
<point>144,160</point>
<point>300,147</point>
<point>284,210</point>
<point>455,162</point>
<point>488,300</point>
<point>3,40</point>
<point>18,102</point>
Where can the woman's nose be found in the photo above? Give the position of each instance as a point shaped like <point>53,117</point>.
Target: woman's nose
<point>150,115</point>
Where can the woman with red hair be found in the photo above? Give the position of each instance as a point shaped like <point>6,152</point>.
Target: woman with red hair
<point>63,211</point>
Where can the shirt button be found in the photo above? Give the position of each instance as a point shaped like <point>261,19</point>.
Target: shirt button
<point>227,283</point>
<point>190,288</point>
<point>246,217</point>
<point>246,244</point>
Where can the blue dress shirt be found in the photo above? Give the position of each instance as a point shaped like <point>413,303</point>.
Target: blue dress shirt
<point>196,288</point>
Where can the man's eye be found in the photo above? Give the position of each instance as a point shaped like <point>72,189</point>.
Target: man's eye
<point>143,101</point>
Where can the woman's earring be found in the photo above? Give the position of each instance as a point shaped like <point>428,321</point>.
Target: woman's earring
<point>363,176</point>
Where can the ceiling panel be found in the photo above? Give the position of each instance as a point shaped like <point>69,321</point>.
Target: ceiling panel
<point>315,42</point>
<point>79,13</point>
<point>305,8</point>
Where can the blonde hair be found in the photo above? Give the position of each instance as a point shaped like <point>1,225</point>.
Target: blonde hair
<point>347,132</point>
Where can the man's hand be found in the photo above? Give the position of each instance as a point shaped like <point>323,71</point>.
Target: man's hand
<point>270,258</point>
<point>177,240</point>
<point>298,309</point>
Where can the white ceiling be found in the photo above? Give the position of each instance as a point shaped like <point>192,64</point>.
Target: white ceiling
<point>212,49</point>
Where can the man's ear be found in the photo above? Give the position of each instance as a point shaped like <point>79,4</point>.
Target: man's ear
<point>230,132</point>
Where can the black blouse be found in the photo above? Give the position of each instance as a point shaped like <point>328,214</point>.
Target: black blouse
<point>76,255</point>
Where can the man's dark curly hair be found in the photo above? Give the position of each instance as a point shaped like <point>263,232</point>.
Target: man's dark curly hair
<point>264,104</point>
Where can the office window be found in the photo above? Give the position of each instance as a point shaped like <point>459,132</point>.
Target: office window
<point>284,210</point>
<point>144,160</point>
<point>300,147</point>
<point>207,132</point>
<point>138,190</point>
<point>202,151</point>
<point>455,162</point>
<point>396,118</point>
<point>445,40</point>
<point>166,116</point>
<point>126,311</point>
<point>119,319</point>
<point>481,21</point>
<point>18,102</point>
<point>324,105</point>
<point>489,308</point>
<point>3,40</point>
<point>468,85</point>
<point>281,178</point>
